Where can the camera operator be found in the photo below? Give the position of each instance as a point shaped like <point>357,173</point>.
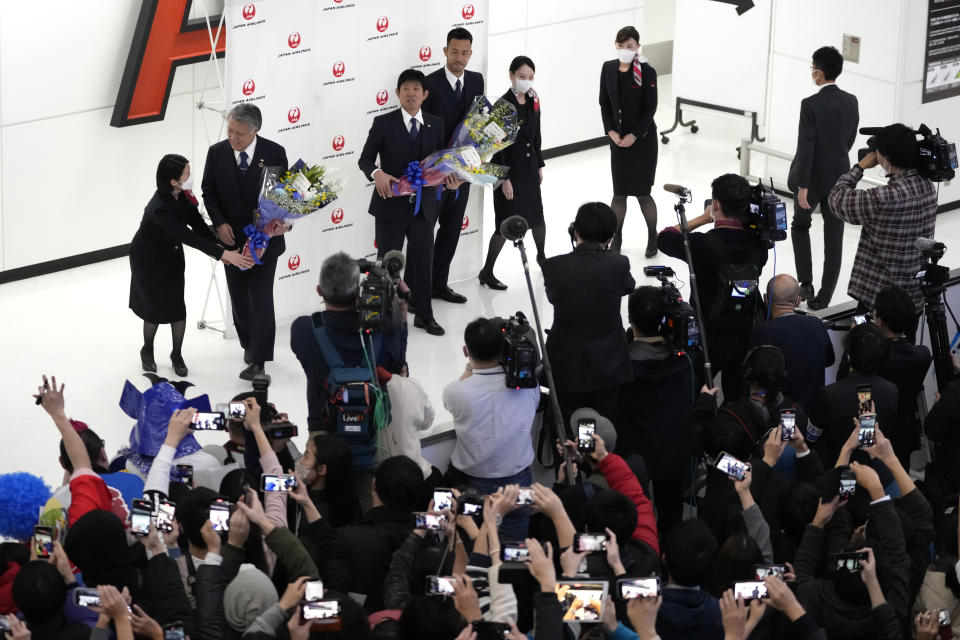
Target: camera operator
<point>586,347</point>
<point>340,287</point>
<point>654,412</point>
<point>723,259</point>
<point>492,422</point>
<point>893,217</point>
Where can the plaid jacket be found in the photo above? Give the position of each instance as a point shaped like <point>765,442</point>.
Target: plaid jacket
<point>893,217</point>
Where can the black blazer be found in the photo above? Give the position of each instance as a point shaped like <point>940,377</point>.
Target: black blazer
<point>390,139</point>
<point>828,127</point>
<point>231,197</point>
<point>632,112</point>
<point>586,344</point>
<point>524,156</point>
<point>440,100</point>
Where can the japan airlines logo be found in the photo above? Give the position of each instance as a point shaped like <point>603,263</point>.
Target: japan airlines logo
<point>425,53</point>
<point>338,68</point>
<point>467,12</point>
<point>293,115</point>
<point>337,1</point>
<point>338,143</point>
<point>294,40</point>
<point>293,263</point>
<point>249,10</point>
<point>336,216</point>
<point>382,23</point>
<point>249,87</point>
<point>465,223</point>
<point>382,97</point>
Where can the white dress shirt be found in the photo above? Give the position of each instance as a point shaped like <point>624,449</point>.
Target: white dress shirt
<point>452,79</point>
<point>492,424</point>
<point>406,123</point>
<point>249,150</point>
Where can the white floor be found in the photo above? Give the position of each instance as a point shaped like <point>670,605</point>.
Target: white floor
<point>76,325</point>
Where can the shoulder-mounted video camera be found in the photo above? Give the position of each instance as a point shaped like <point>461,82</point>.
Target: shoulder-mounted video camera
<point>379,301</point>
<point>767,215</point>
<point>678,327</point>
<point>936,157</point>
<point>519,356</point>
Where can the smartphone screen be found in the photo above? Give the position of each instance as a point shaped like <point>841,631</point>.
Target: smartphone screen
<point>585,431</point>
<point>208,421</point>
<point>440,585</point>
<point>859,319</point>
<point>750,590</point>
<point>182,473</point>
<point>773,570</point>
<point>847,562</point>
<point>848,484</point>
<point>43,541</point>
<point>486,630</point>
<point>314,591</point>
<point>525,496</point>
<point>442,499</point>
<point>515,552</point>
<point>868,423</point>
<point>173,631</point>
<point>321,610</point>
<point>283,482</point>
<point>731,466</point>
<point>864,396</point>
<point>630,588</point>
<point>220,514</point>
<point>140,517</point>
<point>236,410</point>
<point>470,507</point>
<point>581,601</point>
<point>429,521</point>
<point>788,418</point>
<point>85,597</point>
<point>165,514</point>
<point>592,542</point>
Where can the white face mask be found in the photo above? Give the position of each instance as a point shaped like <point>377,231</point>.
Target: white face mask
<point>187,185</point>
<point>302,472</point>
<point>626,55</point>
<point>522,86</point>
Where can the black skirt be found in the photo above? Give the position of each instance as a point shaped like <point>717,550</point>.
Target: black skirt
<point>526,202</point>
<point>156,282</point>
<point>634,168</point>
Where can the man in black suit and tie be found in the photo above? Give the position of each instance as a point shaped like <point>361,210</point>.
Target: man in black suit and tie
<point>406,135</point>
<point>452,90</point>
<point>587,344</point>
<point>231,189</point>
<point>828,127</point>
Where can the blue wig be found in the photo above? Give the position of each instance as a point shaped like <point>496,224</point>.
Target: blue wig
<point>21,496</point>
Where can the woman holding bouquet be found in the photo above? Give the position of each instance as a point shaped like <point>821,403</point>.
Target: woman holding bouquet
<point>519,193</point>
<point>171,219</point>
<point>628,102</point>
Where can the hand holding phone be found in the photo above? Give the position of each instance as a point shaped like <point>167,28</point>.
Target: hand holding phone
<point>590,542</point>
<point>586,427</point>
<point>788,421</point>
<point>442,499</point>
<point>753,590</point>
<point>430,521</point>
<point>220,514</point>
<point>140,516</point>
<point>208,421</point>
<point>867,435</point>
<point>729,465</point>
<point>43,541</point>
<point>282,483</point>
<point>629,588</point>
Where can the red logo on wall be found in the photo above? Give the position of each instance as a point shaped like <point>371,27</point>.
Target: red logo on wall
<point>294,262</point>
<point>338,68</point>
<point>382,97</point>
<point>337,1</point>
<point>336,216</point>
<point>294,40</point>
<point>338,143</point>
<point>465,223</point>
<point>249,10</point>
<point>249,87</point>
<point>293,115</point>
<point>467,12</point>
<point>382,23</point>
<point>425,53</point>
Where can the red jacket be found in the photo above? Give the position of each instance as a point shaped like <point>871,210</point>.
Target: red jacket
<point>622,479</point>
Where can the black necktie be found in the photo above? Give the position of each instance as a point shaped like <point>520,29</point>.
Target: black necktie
<point>413,128</point>
<point>458,90</point>
<point>243,162</point>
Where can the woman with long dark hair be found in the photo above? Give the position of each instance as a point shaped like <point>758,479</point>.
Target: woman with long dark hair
<point>628,102</point>
<point>171,219</point>
<point>519,193</point>
<point>327,470</point>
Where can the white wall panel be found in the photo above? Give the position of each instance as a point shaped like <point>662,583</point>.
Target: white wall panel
<point>508,15</point>
<point>546,13</point>
<point>655,20</point>
<point>107,176</point>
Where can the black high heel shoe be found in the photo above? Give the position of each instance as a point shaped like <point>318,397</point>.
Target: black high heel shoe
<point>146,360</point>
<point>179,366</point>
<point>488,280</point>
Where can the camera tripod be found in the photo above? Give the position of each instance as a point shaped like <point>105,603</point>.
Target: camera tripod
<point>932,279</point>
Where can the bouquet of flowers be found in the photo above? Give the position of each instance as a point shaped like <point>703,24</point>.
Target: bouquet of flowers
<point>286,196</point>
<point>485,130</point>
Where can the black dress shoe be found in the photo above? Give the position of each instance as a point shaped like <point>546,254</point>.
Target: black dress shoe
<point>179,366</point>
<point>255,369</point>
<point>146,360</point>
<point>449,295</point>
<point>806,292</point>
<point>488,280</point>
<point>430,326</point>
<point>816,304</point>
<point>651,251</point>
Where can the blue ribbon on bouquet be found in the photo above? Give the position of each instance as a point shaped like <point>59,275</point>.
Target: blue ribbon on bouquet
<point>414,173</point>
<point>258,240</point>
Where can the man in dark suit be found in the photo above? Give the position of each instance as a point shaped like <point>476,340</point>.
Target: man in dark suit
<point>406,135</point>
<point>231,188</point>
<point>828,127</point>
<point>587,344</point>
<point>452,90</point>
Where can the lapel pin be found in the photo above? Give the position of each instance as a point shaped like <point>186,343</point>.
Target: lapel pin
<point>261,163</point>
